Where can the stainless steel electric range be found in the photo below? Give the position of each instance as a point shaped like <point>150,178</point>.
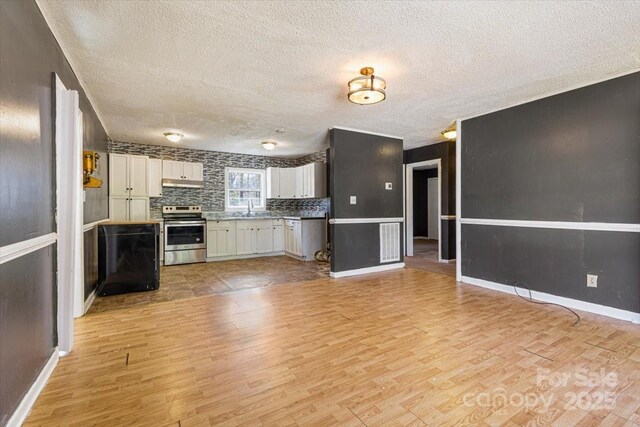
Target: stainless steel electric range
<point>185,234</point>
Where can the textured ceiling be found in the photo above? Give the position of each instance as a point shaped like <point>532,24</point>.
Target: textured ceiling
<point>226,74</point>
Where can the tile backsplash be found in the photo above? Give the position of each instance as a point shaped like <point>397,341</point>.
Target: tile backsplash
<point>211,197</point>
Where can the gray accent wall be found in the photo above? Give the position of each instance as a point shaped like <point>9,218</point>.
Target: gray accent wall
<point>446,152</point>
<point>29,55</point>
<point>211,197</point>
<point>359,165</point>
<point>569,157</point>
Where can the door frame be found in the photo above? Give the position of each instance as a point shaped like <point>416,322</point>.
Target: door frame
<point>69,213</point>
<point>408,203</point>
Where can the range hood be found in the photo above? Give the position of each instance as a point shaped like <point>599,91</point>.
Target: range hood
<point>186,183</point>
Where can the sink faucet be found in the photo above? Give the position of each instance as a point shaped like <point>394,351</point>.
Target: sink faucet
<point>249,206</point>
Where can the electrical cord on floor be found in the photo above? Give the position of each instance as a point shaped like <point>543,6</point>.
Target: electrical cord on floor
<point>530,299</point>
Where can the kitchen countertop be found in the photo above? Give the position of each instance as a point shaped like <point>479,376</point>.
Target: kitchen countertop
<point>225,216</point>
<point>151,221</point>
<point>258,218</point>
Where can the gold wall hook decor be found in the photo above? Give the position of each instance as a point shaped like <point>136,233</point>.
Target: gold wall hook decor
<point>90,166</point>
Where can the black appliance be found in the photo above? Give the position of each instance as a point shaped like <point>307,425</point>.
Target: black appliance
<point>128,258</point>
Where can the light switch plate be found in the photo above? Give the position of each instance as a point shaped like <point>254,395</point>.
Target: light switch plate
<point>592,281</point>
<point>388,186</point>
<point>352,200</point>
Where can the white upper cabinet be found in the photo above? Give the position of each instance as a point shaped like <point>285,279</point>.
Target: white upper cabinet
<point>192,171</point>
<point>118,175</point>
<point>303,182</point>
<point>128,175</point>
<point>316,180</point>
<point>155,178</point>
<point>138,176</point>
<point>171,169</point>
<point>287,183</point>
<point>273,183</point>
<point>298,182</point>
<point>188,171</point>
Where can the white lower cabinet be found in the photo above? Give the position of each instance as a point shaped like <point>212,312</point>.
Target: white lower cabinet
<point>303,238</point>
<point>128,208</point>
<point>278,235</point>
<point>293,237</point>
<point>297,238</point>
<point>265,239</point>
<point>247,240</point>
<point>221,238</point>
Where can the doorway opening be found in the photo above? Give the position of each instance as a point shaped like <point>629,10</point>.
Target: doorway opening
<point>423,233</point>
<point>424,246</point>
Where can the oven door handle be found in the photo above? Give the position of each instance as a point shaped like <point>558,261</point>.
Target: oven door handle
<point>180,223</point>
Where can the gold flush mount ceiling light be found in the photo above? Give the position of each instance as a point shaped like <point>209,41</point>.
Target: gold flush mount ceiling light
<point>450,132</point>
<point>173,137</point>
<point>367,89</point>
<point>269,145</point>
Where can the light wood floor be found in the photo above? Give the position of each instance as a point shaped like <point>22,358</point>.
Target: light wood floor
<point>426,258</point>
<point>406,347</point>
<point>196,280</point>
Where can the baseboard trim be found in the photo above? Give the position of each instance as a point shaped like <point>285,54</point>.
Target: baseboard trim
<point>590,307</point>
<point>448,261</point>
<point>89,301</point>
<point>367,270</point>
<point>23,409</point>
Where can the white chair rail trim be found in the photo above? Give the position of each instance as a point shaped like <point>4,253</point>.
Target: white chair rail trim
<point>363,220</point>
<point>16,250</point>
<point>559,225</point>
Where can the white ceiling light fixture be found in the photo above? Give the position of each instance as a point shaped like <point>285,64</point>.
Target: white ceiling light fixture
<point>269,145</point>
<point>173,136</point>
<point>367,89</point>
<point>450,132</point>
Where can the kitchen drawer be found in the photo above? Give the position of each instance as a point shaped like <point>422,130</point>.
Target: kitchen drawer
<point>292,222</point>
<point>278,222</point>
<point>216,224</point>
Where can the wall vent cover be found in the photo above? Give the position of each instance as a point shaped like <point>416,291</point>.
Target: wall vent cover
<point>389,242</point>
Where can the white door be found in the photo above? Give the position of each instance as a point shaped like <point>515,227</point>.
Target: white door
<point>138,208</point>
<point>273,183</point>
<point>69,214</point>
<point>278,239</point>
<point>119,208</point>
<point>264,240</point>
<point>139,176</point>
<point>155,178</point>
<point>192,171</point>
<point>118,177</point>
<point>172,169</point>
<point>433,221</point>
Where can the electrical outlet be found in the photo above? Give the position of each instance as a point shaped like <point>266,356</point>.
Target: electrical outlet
<point>592,281</point>
<point>352,200</point>
<point>388,186</point>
